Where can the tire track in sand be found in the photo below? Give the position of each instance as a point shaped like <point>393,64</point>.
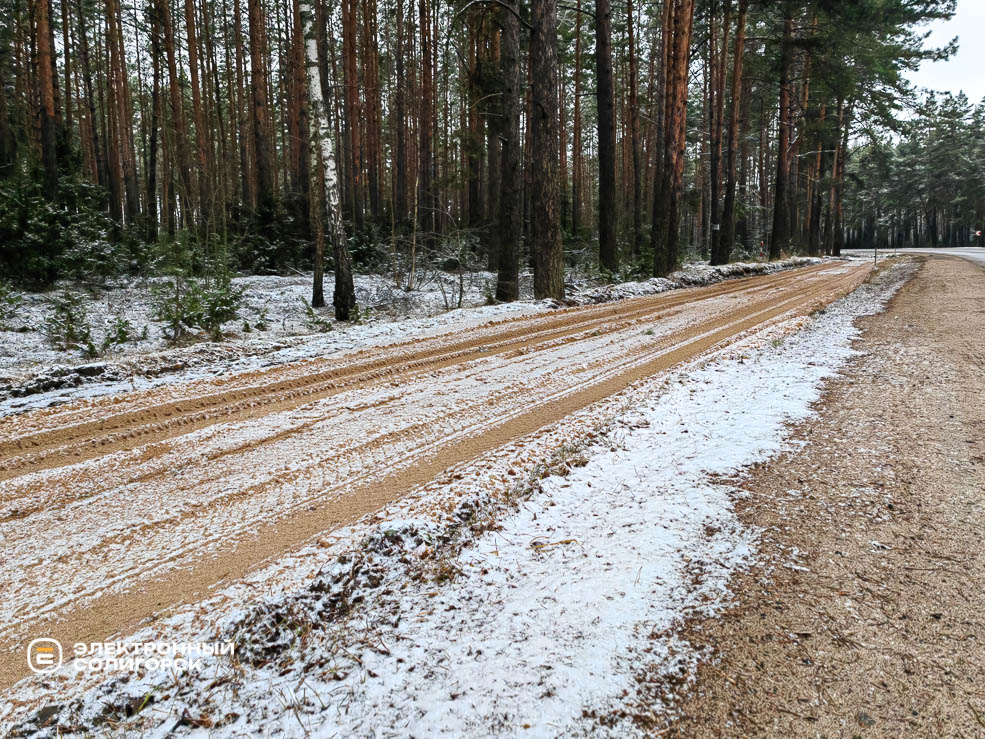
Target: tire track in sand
<point>102,431</point>
<point>21,500</point>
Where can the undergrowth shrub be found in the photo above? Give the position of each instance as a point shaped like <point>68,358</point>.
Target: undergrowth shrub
<point>10,303</point>
<point>119,332</point>
<point>312,320</point>
<point>67,326</point>
<point>185,304</point>
<point>41,241</point>
<point>220,301</point>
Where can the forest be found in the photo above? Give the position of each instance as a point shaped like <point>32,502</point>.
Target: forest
<point>202,138</point>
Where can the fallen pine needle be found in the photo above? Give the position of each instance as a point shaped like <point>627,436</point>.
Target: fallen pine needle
<point>543,545</point>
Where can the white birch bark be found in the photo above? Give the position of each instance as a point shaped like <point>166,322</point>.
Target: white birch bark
<point>325,155</point>
<point>319,109</point>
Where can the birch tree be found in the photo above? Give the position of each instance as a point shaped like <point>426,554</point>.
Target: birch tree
<point>326,212</point>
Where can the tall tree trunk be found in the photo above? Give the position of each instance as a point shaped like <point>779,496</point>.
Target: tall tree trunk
<point>829,210</point>
<point>814,194</point>
<point>719,59</point>
<point>494,146</point>
<point>545,227</point>
<point>351,117</point>
<point>510,206</point>
<point>177,109</point>
<point>247,190</point>
<point>780,238</point>
<point>667,187</point>
<point>474,139</point>
<point>371,88</point>
<point>114,122</point>
<point>123,110</point>
<point>839,235</point>
<point>303,123</point>
<point>199,197</point>
<point>150,211</point>
<point>426,206</point>
<point>608,253</point>
<point>634,131</point>
<point>49,132</point>
<point>400,108</point>
<point>263,152</point>
<point>66,53</point>
<point>577,157</point>
<point>326,208</point>
<point>728,210</point>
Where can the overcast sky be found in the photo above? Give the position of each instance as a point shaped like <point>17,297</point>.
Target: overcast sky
<point>965,70</point>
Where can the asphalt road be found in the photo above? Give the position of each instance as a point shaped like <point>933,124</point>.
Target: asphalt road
<point>972,253</point>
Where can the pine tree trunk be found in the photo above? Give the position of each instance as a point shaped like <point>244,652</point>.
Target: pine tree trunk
<point>371,88</point>
<point>814,194</point>
<point>260,119</point>
<point>49,132</point>
<point>351,117</point>
<point>493,111</point>
<point>608,254</point>
<point>177,108</point>
<point>114,122</point>
<point>634,132</point>
<point>677,40</point>
<point>201,185</point>
<point>150,211</point>
<point>474,141</point>
<point>67,63</point>
<point>835,144</point>
<point>302,114</point>
<point>426,217</point>
<point>400,146</point>
<point>839,235</point>
<point>780,237</point>
<point>728,209</point>
<point>577,157</point>
<point>247,190</point>
<point>720,57</point>
<point>510,205</point>
<point>545,227</point>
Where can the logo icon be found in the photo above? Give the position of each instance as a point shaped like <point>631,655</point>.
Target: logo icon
<point>44,656</point>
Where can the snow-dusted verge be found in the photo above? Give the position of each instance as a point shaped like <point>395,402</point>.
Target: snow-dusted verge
<point>535,591</point>
<point>690,275</point>
<point>274,309</point>
<point>33,375</point>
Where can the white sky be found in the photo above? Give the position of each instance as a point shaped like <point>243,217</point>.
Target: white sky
<point>965,70</point>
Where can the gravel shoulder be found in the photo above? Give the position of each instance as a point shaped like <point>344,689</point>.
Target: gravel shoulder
<point>867,617</point>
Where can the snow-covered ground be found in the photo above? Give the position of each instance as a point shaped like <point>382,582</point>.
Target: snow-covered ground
<point>524,592</point>
<point>33,374</point>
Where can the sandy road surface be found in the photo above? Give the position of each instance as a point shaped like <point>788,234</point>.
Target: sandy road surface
<point>115,508</point>
<point>871,624</point>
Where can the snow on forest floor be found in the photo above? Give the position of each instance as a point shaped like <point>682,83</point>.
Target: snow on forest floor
<point>536,590</point>
<point>33,374</point>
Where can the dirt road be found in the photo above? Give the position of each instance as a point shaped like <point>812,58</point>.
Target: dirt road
<point>868,618</point>
<point>115,508</point>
